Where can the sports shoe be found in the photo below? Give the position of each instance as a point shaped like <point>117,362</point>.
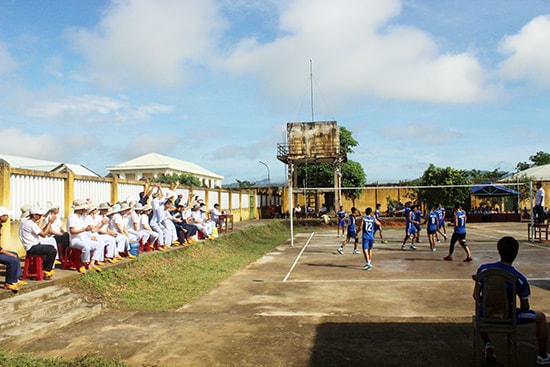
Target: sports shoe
<point>438,241</point>
<point>413,247</point>
<point>384,241</point>
<point>490,355</point>
<point>445,236</point>
<point>432,249</point>
<point>468,259</point>
<point>448,258</point>
<point>367,267</point>
<point>403,247</point>
<point>543,360</point>
<point>340,250</point>
<point>356,252</point>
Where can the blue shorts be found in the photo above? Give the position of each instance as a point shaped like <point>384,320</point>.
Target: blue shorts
<point>351,234</point>
<point>376,227</point>
<point>411,229</point>
<point>526,317</point>
<point>368,243</point>
<point>341,223</point>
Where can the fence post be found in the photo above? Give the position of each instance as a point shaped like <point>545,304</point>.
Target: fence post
<point>69,192</point>
<point>114,190</point>
<point>5,197</point>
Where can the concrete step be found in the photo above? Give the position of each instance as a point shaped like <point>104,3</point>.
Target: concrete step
<point>31,299</point>
<point>36,313</point>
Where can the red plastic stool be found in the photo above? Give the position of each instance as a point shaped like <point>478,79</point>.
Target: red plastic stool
<point>72,258</point>
<point>33,266</point>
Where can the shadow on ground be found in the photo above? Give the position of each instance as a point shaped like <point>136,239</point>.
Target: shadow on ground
<point>409,344</point>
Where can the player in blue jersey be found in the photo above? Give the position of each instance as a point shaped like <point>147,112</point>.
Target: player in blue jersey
<point>352,230</point>
<point>369,221</point>
<point>341,216</point>
<point>441,229</point>
<point>432,221</point>
<point>508,249</point>
<point>459,234</point>
<point>410,231</point>
<point>378,228</point>
<point>417,217</point>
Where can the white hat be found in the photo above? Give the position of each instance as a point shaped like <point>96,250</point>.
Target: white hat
<point>79,204</point>
<point>4,211</point>
<point>37,210</point>
<point>138,207</point>
<point>25,210</point>
<point>124,207</point>
<point>52,205</point>
<point>104,206</point>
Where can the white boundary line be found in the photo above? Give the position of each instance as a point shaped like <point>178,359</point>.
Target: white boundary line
<point>298,257</point>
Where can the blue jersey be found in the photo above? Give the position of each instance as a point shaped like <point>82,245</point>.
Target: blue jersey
<point>417,217</point>
<point>351,224</point>
<point>341,214</point>
<point>460,226</point>
<point>432,221</point>
<point>407,214</point>
<point>522,285</point>
<point>368,227</point>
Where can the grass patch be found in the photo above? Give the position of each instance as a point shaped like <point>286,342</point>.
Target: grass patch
<point>29,360</point>
<point>166,281</point>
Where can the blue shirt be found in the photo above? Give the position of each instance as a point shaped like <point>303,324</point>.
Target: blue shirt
<point>407,214</point>
<point>368,226</point>
<point>460,226</point>
<point>432,221</point>
<point>523,289</point>
<point>351,224</point>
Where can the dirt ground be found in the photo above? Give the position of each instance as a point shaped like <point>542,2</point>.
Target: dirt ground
<point>307,305</point>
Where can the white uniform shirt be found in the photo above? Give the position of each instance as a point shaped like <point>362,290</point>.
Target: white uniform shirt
<point>28,234</point>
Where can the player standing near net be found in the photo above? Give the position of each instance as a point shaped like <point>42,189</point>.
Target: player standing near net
<point>369,221</point>
<point>379,227</point>
<point>341,215</point>
<point>459,235</point>
<point>441,221</point>
<point>432,221</point>
<point>352,230</point>
<point>410,230</point>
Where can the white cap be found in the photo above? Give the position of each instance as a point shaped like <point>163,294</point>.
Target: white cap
<point>4,211</point>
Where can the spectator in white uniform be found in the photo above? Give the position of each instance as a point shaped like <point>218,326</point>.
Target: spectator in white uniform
<point>34,239</point>
<point>82,238</point>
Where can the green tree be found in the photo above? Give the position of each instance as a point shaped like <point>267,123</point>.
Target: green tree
<point>434,176</point>
<point>322,174</point>
<point>478,176</point>
<point>184,179</point>
<point>540,158</point>
<point>244,184</point>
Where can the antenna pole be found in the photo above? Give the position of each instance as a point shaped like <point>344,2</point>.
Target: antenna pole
<point>311,88</point>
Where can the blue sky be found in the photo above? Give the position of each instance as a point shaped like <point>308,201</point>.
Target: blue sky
<point>464,84</point>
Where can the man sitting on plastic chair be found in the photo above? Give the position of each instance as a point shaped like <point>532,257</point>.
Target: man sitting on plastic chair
<point>508,249</point>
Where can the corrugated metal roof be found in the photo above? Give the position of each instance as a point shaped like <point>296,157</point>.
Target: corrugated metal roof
<point>538,173</point>
<point>43,165</point>
<point>159,161</point>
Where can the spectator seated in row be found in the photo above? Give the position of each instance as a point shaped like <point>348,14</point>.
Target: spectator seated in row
<point>35,239</point>
<point>10,258</point>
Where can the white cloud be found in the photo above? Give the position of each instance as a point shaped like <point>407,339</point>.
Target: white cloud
<point>53,105</point>
<point>7,63</point>
<point>16,141</point>
<point>358,53</point>
<point>529,52</point>
<point>151,43</point>
<point>425,133</point>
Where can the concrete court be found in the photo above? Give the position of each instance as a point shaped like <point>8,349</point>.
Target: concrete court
<point>307,305</point>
